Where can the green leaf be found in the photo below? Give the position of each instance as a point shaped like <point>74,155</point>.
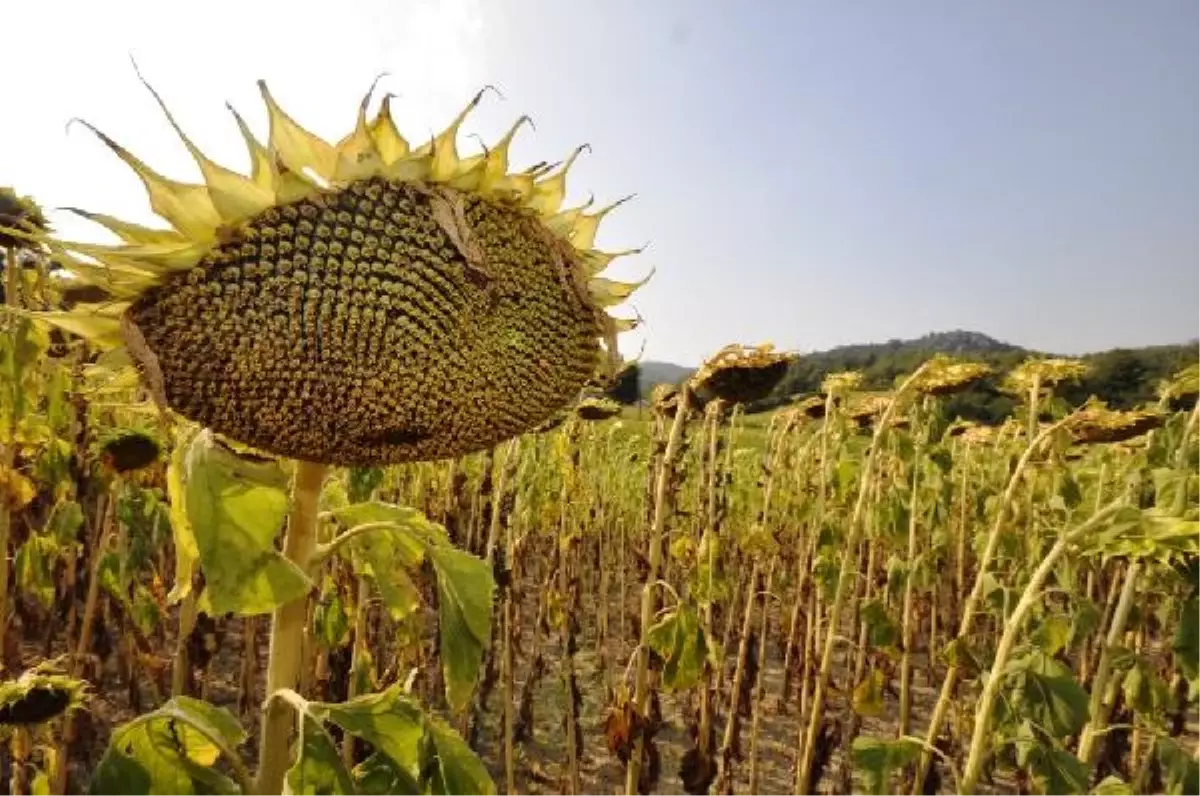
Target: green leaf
<point>1180,772</point>
<point>1186,644</point>
<point>868,695</point>
<point>329,617</point>
<point>1069,490</point>
<point>882,629</point>
<point>318,768</point>
<point>236,507</point>
<point>875,760</point>
<point>1055,770</point>
<point>171,750</point>
<point>66,522</point>
<point>1052,634</point>
<point>423,754</point>
<point>1144,690</point>
<point>679,640</point>
<point>465,590</point>
<point>1045,691</point>
<point>1112,786</point>
<point>378,775</point>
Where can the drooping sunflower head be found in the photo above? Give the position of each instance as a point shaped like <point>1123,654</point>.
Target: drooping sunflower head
<point>128,450</point>
<point>38,696</point>
<point>741,374</point>
<point>596,407</point>
<point>1044,373</point>
<point>665,399</point>
<point>946,375</point>
<point>812,407</point>
<point>1096,423</point>
<point>841,383</point>
<point>1181,390</point>
<point>19,213</point>
<point>357,303</point>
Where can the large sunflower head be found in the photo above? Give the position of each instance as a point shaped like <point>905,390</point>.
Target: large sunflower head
<point>358,303</point>
<point>1044,373</point>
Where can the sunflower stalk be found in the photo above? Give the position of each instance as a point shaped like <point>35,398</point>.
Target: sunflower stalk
<point>655,542</point>
<point>967,617</point>
<point>981,738</point>
<point>1098,708</point>
<point>845,575</point>
<point>287,633</point>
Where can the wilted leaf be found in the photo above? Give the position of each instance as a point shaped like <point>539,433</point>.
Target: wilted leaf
<point>170,751</point>
<point>235,508</point>
<point>1112,786</point>
<point>679,640</point>
<point>868,695</point>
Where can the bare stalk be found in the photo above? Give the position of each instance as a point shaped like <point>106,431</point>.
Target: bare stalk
<point>662,486</point>
<point>287,633</point>
<point>849,562</point>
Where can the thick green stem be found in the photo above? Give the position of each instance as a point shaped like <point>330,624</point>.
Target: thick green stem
<point>287,633</point>
<point>980,739</point>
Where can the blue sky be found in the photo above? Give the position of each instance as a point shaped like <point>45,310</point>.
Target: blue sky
<point>810,173</point>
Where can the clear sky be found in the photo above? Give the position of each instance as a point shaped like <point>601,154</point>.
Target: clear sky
<point>810,173</point>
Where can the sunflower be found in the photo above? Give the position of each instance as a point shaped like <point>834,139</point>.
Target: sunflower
<point>1096,423</point>
<point>20,213</point>
<point>945,375</point>
<point>741,374</point>
<point>842,382</point>
<point>1044,373</point>
<point>38,696</point>
<point>665,399</point>
<point>597,407</point>
<point>359,303</point>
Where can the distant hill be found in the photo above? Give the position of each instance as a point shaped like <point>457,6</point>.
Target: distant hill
<point>1124,377</point>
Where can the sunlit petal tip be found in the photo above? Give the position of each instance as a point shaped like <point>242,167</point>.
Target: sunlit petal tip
<point>609,293</point>
<point>548,194</point>
<point>390,144</point>
<point>583,232</point>
<point>295,146</point>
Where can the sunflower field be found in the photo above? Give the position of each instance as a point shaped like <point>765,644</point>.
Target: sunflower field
<point>318,490</point>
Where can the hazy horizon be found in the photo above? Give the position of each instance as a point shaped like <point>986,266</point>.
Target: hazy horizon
<point>810,174</point>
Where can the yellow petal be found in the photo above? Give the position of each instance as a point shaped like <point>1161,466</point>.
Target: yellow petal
<point>122,281</point>
<point>470,173</point>
<point>496,167</point>
<point>262,170</point>
<point>234,196</point>
<point>128,231</point>
<point>186,207</point>
<point>608,293</point>
<point>296,147</point>
<point>357,156</point>
<point>99,324</point>
<point>445,147</point>
<point>413,167</point>
<point>594,261</point>
<point>563,221</point>
<point>153,258</point>
<point>548,194</point>
<point>388,141</point>
<point>583,233</point>
<point>624,324</point>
